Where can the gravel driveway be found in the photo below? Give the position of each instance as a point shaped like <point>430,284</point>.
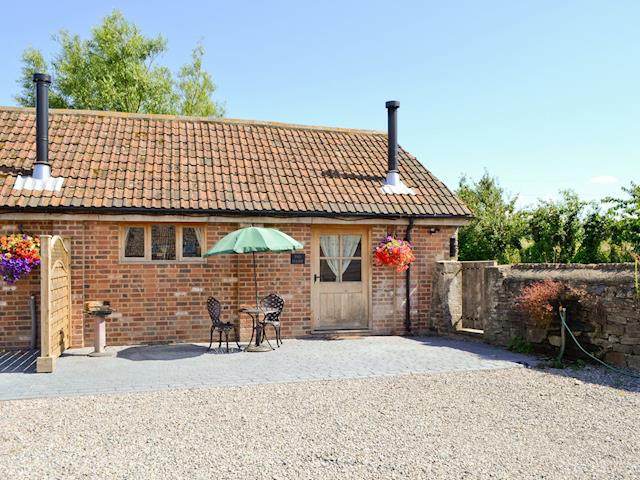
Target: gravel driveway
<point>509,423</point>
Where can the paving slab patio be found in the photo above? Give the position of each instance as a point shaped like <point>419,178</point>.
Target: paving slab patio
<point>162,367</point>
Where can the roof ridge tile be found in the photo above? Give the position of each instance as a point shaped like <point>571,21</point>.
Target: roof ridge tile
<point>183,118</point>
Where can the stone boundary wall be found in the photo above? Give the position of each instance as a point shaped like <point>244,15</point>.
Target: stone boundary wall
<point>611,330</point>
<point>458,295</point>
<point>446,298</point>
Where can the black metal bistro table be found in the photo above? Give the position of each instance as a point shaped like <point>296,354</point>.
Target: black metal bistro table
<point>255,313</point>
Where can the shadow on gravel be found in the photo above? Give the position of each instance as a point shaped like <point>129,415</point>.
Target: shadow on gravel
<point>597,375</point>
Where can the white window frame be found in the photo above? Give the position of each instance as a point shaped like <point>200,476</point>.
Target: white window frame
<point>147,243</point>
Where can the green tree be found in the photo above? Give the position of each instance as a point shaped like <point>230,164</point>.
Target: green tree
<point>116,69</point>
<point>596,234</point>
<point>567,230</point>
<point>33,62</point>
<point>196,88</point>
<point>495,231</point>
<point>626,215</point>
<point>555,227</point>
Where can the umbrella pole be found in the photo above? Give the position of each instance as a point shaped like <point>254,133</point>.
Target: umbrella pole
<point>255,277</point>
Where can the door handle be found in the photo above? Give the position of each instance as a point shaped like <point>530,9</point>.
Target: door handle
<point>315,277</point>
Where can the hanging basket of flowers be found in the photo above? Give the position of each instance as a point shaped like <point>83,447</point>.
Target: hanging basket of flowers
<point>394,252</point>
<point>19,254</point>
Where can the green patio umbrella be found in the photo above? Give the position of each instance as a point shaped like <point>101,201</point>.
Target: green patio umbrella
<point>252,240</point>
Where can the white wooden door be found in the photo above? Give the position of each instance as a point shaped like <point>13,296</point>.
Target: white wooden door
<point>340,278</point>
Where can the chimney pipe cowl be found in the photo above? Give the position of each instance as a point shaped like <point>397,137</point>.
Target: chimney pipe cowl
<point>41,178</point>
<point>393,185</point>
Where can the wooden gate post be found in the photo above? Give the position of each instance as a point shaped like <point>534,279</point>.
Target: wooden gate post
<point>55,301</point>
<point>45,362</point>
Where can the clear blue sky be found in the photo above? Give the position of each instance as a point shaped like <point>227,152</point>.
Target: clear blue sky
<point>543,94</point>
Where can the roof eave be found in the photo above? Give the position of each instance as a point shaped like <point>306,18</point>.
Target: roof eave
<point>226,212</point>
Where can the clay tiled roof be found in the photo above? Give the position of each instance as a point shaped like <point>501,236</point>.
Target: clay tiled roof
<point>128,161</point>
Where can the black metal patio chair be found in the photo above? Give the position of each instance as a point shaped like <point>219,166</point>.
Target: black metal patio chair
<point>214,308</point>
<point>275,302</point>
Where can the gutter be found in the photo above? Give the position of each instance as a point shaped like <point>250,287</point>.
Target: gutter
<point>223,213</point>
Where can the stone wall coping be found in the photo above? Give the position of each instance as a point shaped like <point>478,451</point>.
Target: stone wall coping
<point>608,267</point>
<point>606,273</point>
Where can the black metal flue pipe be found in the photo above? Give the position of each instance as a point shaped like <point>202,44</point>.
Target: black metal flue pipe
<point>392,115</point>
<point>42,82</point>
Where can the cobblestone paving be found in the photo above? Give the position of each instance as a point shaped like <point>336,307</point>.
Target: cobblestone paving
<point>162,367</point>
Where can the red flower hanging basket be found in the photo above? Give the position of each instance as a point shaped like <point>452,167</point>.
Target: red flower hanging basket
<point>393,252</point>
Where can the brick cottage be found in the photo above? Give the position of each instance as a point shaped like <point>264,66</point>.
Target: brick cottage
<point>139,198</point>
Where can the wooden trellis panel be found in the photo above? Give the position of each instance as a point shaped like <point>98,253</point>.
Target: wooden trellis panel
<point>55,299</point>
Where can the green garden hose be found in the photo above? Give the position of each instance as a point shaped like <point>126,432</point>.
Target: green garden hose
<point>617,370</point>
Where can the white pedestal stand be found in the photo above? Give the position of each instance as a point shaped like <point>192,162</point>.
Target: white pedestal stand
<point>100,340</point>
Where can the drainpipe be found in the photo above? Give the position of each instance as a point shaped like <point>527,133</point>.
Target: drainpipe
<point>34,323</point>
<point>407,317</point>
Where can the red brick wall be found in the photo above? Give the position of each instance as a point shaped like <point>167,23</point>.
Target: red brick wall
<point>291,282</point>
<point>388,287</point>
<point>155,302</point>
<point>166,302</point>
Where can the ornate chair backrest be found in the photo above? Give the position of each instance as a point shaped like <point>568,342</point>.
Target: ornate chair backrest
<point>214,308</point>
<point>272,301</point>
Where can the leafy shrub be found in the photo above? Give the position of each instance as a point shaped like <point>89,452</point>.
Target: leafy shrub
<point>542,299</point>
<point>519,345</point>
